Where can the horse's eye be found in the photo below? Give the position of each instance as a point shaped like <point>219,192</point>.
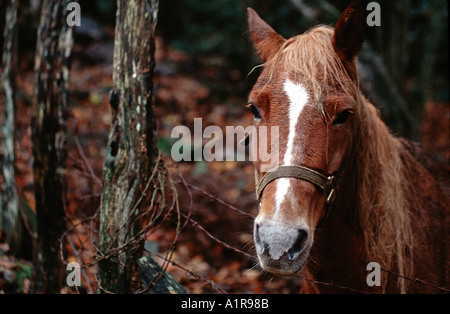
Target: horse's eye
<point>341,117</point>
<point>255,111</point>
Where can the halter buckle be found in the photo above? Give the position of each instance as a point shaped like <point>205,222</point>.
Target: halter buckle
<point>330,190</point>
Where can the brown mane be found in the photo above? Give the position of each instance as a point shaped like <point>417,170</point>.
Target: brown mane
<point>311,58</point>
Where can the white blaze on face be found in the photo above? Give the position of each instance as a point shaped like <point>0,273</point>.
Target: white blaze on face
<point>298,98</point>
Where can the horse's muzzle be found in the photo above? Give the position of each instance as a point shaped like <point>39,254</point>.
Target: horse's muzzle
<point>282,250</point>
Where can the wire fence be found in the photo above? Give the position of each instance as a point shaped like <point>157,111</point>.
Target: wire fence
<point>79,240</point>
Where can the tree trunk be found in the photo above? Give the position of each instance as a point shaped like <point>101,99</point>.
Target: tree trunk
<point>10,216</point>
<point>53,50</point>
<point>127,168</point>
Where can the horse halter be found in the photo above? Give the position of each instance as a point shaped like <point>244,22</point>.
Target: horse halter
<point>326,183</point>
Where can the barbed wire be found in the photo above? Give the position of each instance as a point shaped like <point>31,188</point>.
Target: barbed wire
<point>393,273</point>
<point>162,170</point>
<point>388,271</point>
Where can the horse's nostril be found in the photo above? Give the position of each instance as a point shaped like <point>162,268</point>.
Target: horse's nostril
<point>258,239</point>
<point>299,244</point>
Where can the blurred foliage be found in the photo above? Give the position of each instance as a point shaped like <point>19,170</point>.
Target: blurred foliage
<point>103,11</point>
<point>15,275</point>
<point>412,41</point>
<point>219,27</point>
<point>214,33</point>
<point>22,272</point>
<point>29,215</point>
<point>210,27</point>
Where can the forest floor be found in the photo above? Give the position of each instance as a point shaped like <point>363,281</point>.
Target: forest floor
<point>212,255</point>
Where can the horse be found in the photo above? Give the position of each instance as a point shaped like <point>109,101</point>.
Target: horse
<point>345,192</point>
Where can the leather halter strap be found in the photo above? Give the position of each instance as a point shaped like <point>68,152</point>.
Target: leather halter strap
<point>326,183</point>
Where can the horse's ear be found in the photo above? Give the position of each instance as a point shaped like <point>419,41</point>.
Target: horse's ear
<point>349,35</point>
<point>267,41</point>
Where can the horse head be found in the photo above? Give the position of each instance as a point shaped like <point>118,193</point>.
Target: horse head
<point>308,88</point>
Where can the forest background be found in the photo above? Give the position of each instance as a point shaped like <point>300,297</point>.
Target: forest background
<point>203,60</point>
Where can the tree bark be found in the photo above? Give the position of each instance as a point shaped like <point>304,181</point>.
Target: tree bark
<point>49,108</point>
<point>127,168</point>
<point>10,216</point>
